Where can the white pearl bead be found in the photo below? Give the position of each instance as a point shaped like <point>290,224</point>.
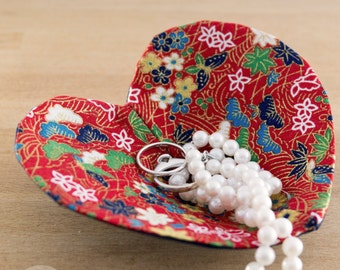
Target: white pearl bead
<point>265,174</point>
<point>195,166</point>
<point>185,173</point>
<point>213,166</point>
<point>292,263</point>
<point>275,184</point>
<point>239,213</point>
<point>231,181</point>
<point>227,195</point>
<point>267,235</point>
<point>283,227</point>
<point>292,246</point>
<point>243,196</point>
<point>242,155</point>
<point>212,188</point>
<point>219,178</point>
<point>177,179</point>
<point>265,255</point>
<point>227,169</point>
<point>258,189</point>
<point>215,206</point>
<point>230,147</point>
<point>188,195</point>
<point>200,138</point>
<point>193,154</point>
<point>228,160</point>
<point>264,217</point>
<point>254,165</point>
<point>189,146</point>
<point>239,171</point>
<point>216,140</point>
<point>217,153</point>
<point>254,266</point>
<point>260,201</point>
<point>225,128</point>
<point>250,217</point>
<point>202,177</point>
<point>202,196</point>
<point>249,174</point>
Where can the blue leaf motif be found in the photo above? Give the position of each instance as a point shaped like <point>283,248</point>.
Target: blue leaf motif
<point>52,128</point>
<point>235,115</point>
<point>269,114</point>
<point>98,178</point>
<point>266,141</point>
<point>89,134</point>
<point>299,162</point>
<point>118,207</point>
<point>182,137</point>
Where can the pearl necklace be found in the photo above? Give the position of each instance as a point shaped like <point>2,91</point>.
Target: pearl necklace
<point>225,179</point>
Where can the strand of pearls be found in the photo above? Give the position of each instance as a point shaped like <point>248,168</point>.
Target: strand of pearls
<point>228,180</point>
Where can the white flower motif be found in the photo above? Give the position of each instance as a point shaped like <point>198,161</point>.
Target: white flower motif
<point>238,81</point>
<point>173,62</point>
<point>306,108</point>
<point>263,38</point>
<point>302,124</point>
<point>122,140</point>
<point>302,120</point>
<point>85,194</point>
<point>233,235</point>
<point>142,187</point>
<point>64,181</point>
<point>92,156</point>
<point>150,215</point>
<point>133,95</point>
<point>208,35</point>
<point>106,107</point>
<point>163,97</point>
<point>216,39</point>
<point>307,82</point>
<point>224,41</point>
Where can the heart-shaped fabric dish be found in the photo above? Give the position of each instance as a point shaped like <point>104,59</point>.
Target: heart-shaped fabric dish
<point>82,152</point>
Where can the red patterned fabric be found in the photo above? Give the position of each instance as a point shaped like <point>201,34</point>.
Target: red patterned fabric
<point>82,152</point>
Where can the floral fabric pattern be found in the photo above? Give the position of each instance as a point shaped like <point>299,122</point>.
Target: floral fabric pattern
<point>82,152</point>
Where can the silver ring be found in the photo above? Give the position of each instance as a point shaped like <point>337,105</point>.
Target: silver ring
<point>182,188</point>
<point>164,166</point>
<point>178,167</point>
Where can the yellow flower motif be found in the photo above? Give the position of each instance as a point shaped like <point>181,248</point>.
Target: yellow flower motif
<point>279,201</point>
<point>185,86</point>
<point>149,62</point>
<point>170,232</point>
<point>292,215</point>
<point>192,218</point>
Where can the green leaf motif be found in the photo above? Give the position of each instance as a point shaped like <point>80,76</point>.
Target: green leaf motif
<point>259,61</point>
<point>91,168</point>
<point>322,145</point>
<point>55,150</point>
<point>157,132</point>
<point>192,70</point>
<point>242,140</point>
<point>199,59</point>
<point>323,200</point>
<point>139,128</point>
<point>128,192</point>
<point>39,181</point>
<point>116,159</point>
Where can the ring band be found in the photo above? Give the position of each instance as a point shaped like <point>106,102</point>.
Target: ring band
<point>178,168</point>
